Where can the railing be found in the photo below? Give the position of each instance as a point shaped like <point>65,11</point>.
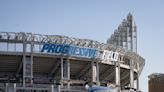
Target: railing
<point>13,87</point>
<point>74,89</point>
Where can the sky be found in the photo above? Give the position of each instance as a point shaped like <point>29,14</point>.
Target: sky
<point>91,19</point>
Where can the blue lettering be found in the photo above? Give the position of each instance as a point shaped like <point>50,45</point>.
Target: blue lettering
<point>69,50</point>
<point>85,52</point>
<point>72,50</point>
<point>92,53</point>
<point>45,47</point>
<point>58,48</point>
<point>77,51</point>
<point>51,48</point>
<point>66,49</point>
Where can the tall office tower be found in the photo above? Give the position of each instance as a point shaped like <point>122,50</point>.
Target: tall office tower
<point>126,35</point>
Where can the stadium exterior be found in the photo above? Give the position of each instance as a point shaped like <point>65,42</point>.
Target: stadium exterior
<point>52,63</point>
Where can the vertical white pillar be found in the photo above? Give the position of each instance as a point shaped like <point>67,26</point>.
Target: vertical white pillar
<point>117,76</point>
<point>97,72</point>
<point>31,59</point>
<point>24,58</point>
<point>62,72</point>
<point>52,88</point>
<point>137,76</point>
<point>68,73</point>
<point>14,87</point>
<point>131,75</point>
<point>94,75</point>
<point>6,87</point>
<point>59,88</point>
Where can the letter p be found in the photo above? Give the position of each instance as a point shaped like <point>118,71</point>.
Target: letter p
<point>45,47</point>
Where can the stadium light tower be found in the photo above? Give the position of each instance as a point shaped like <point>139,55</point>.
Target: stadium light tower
<point>126,35</point>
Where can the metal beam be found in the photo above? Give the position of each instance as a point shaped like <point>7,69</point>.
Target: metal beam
<point>84,70</point>
<point>131,75</point>
<point>126,73</point>
<point>68,72</point>
<point>31,58</point>
<point>97,73</point>
<point>137,81</point>
<point>24,59</point>
<point>54,69</point>
<point>126,81</point>
<point>117,76</point>
<point>109,75</point>
<point>62,72</point>
<point>105,72</point>
<point>20,67</point>
<point>93,74</point>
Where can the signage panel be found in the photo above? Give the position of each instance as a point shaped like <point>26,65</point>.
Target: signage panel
<point>60,49</point>
<point>63,49</point>
<point>109,55</point>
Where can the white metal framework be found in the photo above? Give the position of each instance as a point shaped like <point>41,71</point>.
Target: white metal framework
<point>22,49</point>
<point>126,35</point>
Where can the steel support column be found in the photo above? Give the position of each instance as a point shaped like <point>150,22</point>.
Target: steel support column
<point>24,58</point>
<point>117,76</point>
<point>62,72</point>
<point>6,87</point>
<point>52,88</point>
<point>68,73</point>
<point>59,88</point>
<point>93,76</point>
<point>97,73</point>
<point>14,87</point>
<point>31,59</point>
<point>137,82</point>
<point>131,75</point>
